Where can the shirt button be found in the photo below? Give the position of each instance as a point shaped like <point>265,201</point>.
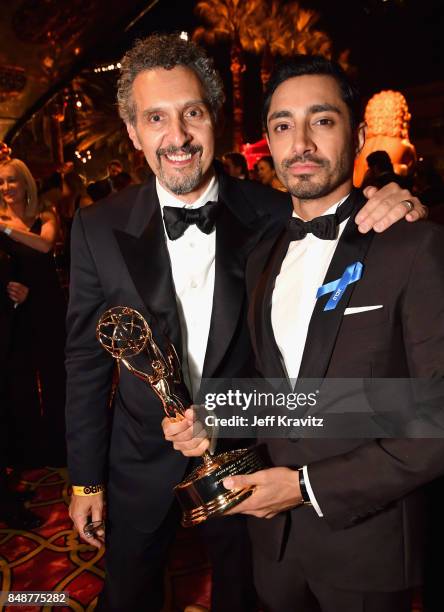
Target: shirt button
<point>193,284</point>
<point>191,245</point>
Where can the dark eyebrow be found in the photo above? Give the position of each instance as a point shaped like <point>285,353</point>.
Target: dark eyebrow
<point>198,101</point>
<point>279,115</point>
<point>149,111</point>
<point>322,108</point>
<point>312,110</point>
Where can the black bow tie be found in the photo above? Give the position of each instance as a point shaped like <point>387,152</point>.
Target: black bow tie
<point>178,219</point>
<point>324,227</point>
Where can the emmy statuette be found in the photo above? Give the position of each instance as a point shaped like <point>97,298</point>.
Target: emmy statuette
<point>124,333</point>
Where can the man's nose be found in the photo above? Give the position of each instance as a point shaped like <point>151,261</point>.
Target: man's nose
<point>178,134</point>
<point>302,142</point>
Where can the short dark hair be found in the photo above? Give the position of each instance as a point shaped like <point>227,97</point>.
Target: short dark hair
<point>301,65</point>
<point>98,190</point>
<point>166,51</point>
<point>268,160</point>
<point>115,162</point>
<point>238,160</point>
<point>121,180</point>
<point>379,159</point>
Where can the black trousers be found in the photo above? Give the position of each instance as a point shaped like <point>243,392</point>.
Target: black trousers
<point>282,587</point>
<point>135,563</point>
<point>229,550</point>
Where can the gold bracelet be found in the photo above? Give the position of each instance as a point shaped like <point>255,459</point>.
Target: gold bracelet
<point>88,490</point>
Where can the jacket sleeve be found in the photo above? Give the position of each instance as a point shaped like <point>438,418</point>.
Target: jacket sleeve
<point>355,485</point>
<point>89,368</point>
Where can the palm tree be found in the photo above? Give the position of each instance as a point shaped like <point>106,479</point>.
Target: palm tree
<point>97,124</point>
<point>232,21</point>
<point>284,30</point>
<point>269,28</point>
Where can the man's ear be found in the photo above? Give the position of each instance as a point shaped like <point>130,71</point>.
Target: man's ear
<point>267,139</point>
<point>360,137</point>
<point>133,136</point>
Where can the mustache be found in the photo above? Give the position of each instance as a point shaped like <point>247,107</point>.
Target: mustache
<point>302,159</point>
<point>186,148</point>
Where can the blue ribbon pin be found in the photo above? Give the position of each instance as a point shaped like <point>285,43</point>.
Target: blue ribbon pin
<point>352,273</point>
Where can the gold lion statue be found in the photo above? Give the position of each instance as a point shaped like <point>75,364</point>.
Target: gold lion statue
<point>388,119</point>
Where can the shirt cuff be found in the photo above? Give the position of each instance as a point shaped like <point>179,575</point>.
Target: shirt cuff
<point>85,491</point>
<point>313,500</point>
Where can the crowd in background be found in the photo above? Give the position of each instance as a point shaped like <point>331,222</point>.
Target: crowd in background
<point>67,191</point>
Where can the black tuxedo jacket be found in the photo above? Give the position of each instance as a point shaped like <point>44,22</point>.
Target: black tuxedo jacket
<point>372,533</point>
<point>120,257</point>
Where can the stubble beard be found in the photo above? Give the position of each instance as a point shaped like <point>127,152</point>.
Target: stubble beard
<point>309,187</point>
<point>181,182</point>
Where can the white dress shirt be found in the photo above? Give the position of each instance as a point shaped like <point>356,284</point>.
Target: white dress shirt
<point>294,297</point>
<point>192,259</point>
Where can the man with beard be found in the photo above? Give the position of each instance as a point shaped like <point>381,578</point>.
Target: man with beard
<point>174,249</point>
<point>347,529</point>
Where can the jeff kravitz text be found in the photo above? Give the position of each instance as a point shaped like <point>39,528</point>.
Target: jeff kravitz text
<point>211,420</point>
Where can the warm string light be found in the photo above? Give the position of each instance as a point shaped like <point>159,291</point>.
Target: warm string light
<point>117,66</point>
<point>83,156</point>
<point>73,98</point>
<point>108,68</point>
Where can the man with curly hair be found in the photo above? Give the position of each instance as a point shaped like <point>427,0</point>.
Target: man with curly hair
<point>175,249</point>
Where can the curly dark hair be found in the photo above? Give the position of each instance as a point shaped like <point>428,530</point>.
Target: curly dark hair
<point>166,51</point>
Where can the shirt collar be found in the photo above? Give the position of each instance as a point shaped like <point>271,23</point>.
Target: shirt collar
<point>210,194</point>
<point>331,210</point>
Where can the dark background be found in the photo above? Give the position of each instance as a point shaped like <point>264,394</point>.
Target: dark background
<point>394,44</point>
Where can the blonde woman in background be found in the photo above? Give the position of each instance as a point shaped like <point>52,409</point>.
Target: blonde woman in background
<point>34,375</point>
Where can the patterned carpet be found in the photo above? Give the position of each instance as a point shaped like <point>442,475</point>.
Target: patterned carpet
<point>52,558</point>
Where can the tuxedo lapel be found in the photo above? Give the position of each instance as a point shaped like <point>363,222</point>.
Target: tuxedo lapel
<point>229,287</point>
<point>236,228</point>
<point>145,252</point>
<point>268,352</point>
<point>324,325</point>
